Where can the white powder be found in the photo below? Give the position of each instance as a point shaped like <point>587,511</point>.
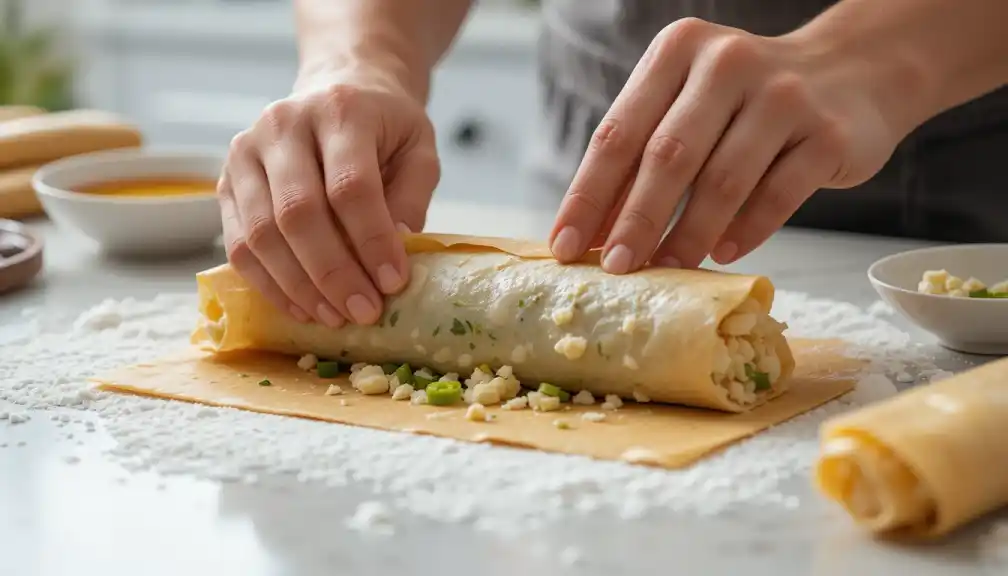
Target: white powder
<point>416,474</point>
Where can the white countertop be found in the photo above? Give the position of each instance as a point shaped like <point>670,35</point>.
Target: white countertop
<point>87,515</point>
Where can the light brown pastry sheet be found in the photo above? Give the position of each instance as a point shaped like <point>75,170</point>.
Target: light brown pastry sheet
<point>652,434</point>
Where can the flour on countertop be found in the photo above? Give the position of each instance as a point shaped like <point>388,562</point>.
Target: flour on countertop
<point>509,490</point>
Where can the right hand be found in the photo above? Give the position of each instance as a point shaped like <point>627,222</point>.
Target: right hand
<point>312,196</point>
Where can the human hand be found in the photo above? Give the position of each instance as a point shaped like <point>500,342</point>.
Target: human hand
<point>754,125</point>
<point>314,194</point>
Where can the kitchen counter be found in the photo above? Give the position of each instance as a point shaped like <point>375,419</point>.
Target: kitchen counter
<point>90,516</point>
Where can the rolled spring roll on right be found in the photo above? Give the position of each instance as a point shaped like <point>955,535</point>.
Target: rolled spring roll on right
<point>697,338</point>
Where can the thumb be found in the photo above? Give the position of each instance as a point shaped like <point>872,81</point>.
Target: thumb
<point>409,191</point>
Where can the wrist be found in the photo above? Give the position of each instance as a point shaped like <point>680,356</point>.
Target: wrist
<point>888,71</point>
<point>381,57</point>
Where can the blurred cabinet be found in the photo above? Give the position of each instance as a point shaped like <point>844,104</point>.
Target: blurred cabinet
<point>195,72</point>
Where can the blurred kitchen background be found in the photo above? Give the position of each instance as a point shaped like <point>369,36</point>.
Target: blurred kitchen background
<point>195,72</point>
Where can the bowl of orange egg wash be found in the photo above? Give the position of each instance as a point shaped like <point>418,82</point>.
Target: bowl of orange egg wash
<point>958,293</point>
<point>136,201</point>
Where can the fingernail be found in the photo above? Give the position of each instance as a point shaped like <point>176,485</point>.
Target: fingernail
<point>567,245</point>
<point>299,314</point>
<point>724,252</point>
<point>669,262</point>
<point>618,260</point>
<point>329,315</point>
<point>402,227</point>
<point>389,279</point>
<point>362,310</point>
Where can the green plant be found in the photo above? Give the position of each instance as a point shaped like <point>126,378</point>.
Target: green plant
<point>31,73</point>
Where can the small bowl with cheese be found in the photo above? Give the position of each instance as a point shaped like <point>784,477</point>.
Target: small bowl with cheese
<point>136,201</point>
<point>958,293</point>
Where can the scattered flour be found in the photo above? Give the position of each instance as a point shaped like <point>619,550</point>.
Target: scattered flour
<point>417,474</point>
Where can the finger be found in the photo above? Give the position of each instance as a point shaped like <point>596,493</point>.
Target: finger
<point>744,154</point>
<point>356,194</point>
<point>606,229</point>
<point>411,187</point>
<point>263,237</point>
<point>674,155</point>
<point>244,261</point>
<point>801,171</point>
<point>307,224</point>
<point>616,144</point>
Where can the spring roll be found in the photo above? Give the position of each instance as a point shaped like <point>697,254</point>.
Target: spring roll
<point>696,338</point>
<point>925,461</point>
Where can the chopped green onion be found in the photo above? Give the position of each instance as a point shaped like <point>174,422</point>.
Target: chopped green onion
<point>469,324</point>
<point>444,393</point>
<point>265,382</point>
<point>405,374</point>
<point>393,318</point>
<point>243,375</point>
<point>327,369</point>
<point>472,346</point>
<point>598,346</point>
<point>389,368</point>
<point>551,390</point>
<point>521,303</point>
<point>981,293</point>
<point>421,383</point>
<point>343,353</point>
<point>761,379</point>
<point>437,329</point>
<point>458,328</point>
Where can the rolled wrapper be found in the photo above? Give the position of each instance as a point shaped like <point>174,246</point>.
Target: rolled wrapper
<point>697,338</point>
<point>925,461</point>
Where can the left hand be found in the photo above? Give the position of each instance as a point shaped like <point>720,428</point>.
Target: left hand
<point>753,124</point>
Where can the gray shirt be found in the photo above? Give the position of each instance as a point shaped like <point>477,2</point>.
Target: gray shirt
<point>944,182</point>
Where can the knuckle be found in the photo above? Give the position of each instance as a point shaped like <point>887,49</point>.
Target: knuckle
<point>643,224</point>
<point>346,187</point>
<point>788,91</point>
<point>610,138</point>
<point>581,201</point>
<point>731,54</point>
<point>340,102</point>
<point>375,245</point>
<point>294,209</point>
<point>279,117</point>
<point>239,254</point>
<point>261,231</point>
<point>241,144</point>
<point>683,31</point>
<point>664,150</point>
<point>337,278</point>
<point>783,199</point>
<point>720,186</point>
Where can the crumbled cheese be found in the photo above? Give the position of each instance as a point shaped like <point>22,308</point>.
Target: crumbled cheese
<point>593,416</point>
<point>420,349</point>
<point>402,392</point>
<point>415,333</point>
<point>478,377</point>
<point>629,324</point>
<point>614,400</point>
<point>583,398</point>
<point>477,413</point>
<point>418,397</point>
<point>563,316</point>
<point>465,360</point>
<point>629,362</point>
<point>958,293</point>
<point>424,373</point>
<point>334,390</point>
<point>357,367</point>
<point>450,377</point>
<point>507,388</point>
<point>370,379</point>
<point>443,355</point>
<point>505,371</point>
<point>571,347</point>
<point>516,403</point>
<point>18,417</point>
<point>973,285</point>
<point>307,362</point>
<point>639,396</point>
<point>486,394</point>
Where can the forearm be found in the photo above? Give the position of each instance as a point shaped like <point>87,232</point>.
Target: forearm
<point>403,38</point>
<point>932,54</point>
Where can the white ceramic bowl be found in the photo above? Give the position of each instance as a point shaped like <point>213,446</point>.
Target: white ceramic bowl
<point>973,325</point>
<point>133,225</point>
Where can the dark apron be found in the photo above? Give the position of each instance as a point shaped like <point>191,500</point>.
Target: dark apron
<point>947,181</point>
